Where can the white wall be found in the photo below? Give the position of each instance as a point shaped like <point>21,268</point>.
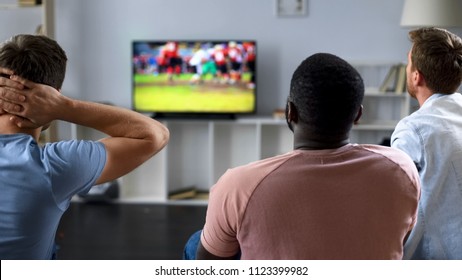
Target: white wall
<point>354,29</point>
<point>16,22</point>
<point>97,36</point>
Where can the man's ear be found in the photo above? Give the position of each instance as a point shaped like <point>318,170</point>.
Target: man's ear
<point>292,113</point>
<point>358,116</point>
<point>420,79</point>
<point>417,79</point>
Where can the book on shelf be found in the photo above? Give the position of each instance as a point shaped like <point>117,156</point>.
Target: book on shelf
<point>401,79</point>
<point>188,193</point>
<point>395,80</point>
<point>390,80</point>
<point>202,195</point>
<point>184,193</point>
<point>29,2</point>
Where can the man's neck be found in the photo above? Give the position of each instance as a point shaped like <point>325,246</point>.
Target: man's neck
<point>305,141</point>
<point>316,145</point>
<point>421,93</point>
<point>423,96</point>
<point>7,127</point>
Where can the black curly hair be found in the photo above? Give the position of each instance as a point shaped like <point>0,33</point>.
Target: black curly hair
<point>327,93</point>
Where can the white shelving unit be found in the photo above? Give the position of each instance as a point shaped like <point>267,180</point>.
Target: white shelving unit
<point>381,110</point>
<point>200,151</point>
<point>381,113</point>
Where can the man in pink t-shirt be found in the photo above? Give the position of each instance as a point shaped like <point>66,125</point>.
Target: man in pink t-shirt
<point>327,199</point>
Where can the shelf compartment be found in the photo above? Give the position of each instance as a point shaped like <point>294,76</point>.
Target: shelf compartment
<point>188,155</point>
<point>234,144</point>
<point>276,139</point>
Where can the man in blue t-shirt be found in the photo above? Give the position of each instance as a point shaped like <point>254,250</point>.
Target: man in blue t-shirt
<point>37,183</point>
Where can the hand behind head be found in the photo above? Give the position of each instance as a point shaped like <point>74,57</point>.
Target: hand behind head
<point>31,105</point>
<point>7,86</point>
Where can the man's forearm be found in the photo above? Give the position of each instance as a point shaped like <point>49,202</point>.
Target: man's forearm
<point>111,120</point>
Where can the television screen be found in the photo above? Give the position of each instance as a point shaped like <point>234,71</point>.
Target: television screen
<point>194,77</point>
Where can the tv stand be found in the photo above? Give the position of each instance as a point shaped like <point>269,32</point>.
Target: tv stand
<point>200,151</point>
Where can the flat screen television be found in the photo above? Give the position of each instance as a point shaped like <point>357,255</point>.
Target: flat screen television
<point>195,78</point>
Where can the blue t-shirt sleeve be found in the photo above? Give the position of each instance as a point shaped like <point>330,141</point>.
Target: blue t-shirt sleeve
<point>74,167</point>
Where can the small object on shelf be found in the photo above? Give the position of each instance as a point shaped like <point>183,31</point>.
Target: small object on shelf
<point>395,80</point>
<point>279,114</point>
<point>40,30</point>
<point>26,3</point>
<point>390,80</point>
<point>102,193</point>
<point>189,193</point>
<point>185,193</point>
<point>401,79</point>
<point>202,195</point>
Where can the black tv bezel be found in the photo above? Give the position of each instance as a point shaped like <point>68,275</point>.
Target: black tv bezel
<point>187,114</point>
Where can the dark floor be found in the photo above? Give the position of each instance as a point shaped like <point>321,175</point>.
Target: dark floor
<point>97,231</point>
